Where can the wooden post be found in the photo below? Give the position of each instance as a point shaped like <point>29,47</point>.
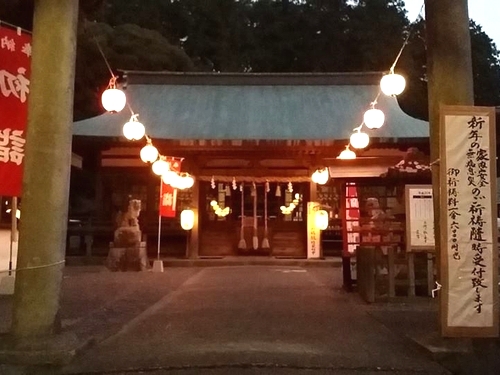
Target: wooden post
<point>430,274</point>
<point>46,169</point>
<point>194,234</point>
<point>391,273</point>
<point>411,274</point>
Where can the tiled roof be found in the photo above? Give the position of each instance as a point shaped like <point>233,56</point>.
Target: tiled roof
<point>253,106</point>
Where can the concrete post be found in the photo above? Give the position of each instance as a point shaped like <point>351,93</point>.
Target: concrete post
<point>46,169</point>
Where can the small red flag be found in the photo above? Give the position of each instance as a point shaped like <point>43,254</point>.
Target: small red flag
<point>168,195</point>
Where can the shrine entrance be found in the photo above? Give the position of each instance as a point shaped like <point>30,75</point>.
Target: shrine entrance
<point>253,218</point>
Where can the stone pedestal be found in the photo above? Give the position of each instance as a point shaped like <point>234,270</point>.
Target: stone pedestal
<point>158,266</point>
<point>133,258</point>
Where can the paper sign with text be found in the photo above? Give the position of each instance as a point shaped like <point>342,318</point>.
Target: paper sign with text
<point>469,252</point>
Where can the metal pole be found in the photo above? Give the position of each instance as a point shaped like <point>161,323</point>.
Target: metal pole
<point>13,230</point>
<point>159,217</point>
<point>47,164</point>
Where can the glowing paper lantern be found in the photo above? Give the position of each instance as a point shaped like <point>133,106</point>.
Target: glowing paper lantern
<point>134,130</point>
<point>160,167</point>
<point>113,100</point>
<point>392,84</point>
<point>321,219</point>
<point>359,139</point>
<point>188,181</point>
<point>347,154</point>
<point>187,219</point>
<point>149,153</point>
<point>182,181</point>
<point>374,118</point>
<point>170,177</point>
<point>320,176</point>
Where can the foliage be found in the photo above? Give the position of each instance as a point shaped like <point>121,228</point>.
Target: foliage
<point>128,47</point>
<point>260,36</point>
<point>485,66</point>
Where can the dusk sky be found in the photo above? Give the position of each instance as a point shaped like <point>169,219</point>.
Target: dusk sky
<point>483,12</point>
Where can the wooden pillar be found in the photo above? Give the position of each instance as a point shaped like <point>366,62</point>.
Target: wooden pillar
<point>99,189</point>
<point>46,169</point>
<point>313,191</point>
<point>194,234</point>
<point>449,71</point>
<point>450,80</point>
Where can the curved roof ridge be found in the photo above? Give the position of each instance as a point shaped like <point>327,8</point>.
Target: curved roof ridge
<point>254,106</point>
<point>250,79</point>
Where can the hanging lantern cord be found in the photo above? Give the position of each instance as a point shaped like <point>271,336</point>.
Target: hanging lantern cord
<point>358,129</point>
<point>375,101</point>
<point>391,70</point>
<point>113,79</point>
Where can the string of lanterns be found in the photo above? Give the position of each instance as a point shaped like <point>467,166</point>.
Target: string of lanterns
<point>287,210</point>
<point>114,100</point>
<point>221,212</point>
<point>392,85</point>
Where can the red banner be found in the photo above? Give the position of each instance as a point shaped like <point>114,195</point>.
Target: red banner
<point>15,61</point>
<point>168,195</point>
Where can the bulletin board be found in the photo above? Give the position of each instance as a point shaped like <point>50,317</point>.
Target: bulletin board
<point>419,218</point>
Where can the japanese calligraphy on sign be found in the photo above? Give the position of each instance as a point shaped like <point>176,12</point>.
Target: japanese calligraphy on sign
<point>468,222</point>
<point>419,217</point>
<point>313,233</point>
<point>15,53</point>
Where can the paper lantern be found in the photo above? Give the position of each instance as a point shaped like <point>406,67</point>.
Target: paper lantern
<point>347,154</point>
<point>113,100</point>
<point>359,139</point>
<point>170,177</point>
<point>188,181</point>
<point>321,219</point>
<point>182,181</point>
<point>160,167</point>
<point>133,130</point>
<point>320,176</point>
<point>187,219</point>
<point>374,118</point>
<point>149,153</point>
<point>392,84</point>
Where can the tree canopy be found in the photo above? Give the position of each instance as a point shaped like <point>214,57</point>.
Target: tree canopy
<point>259,36</point>
<point>127,47</point>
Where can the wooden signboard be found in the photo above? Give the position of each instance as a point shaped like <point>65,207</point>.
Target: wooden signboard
<point>419,218</point>
<point>469,253</point>
<point>313,233</point>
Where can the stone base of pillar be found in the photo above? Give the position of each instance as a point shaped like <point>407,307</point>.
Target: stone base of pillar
<point>7,284</point>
